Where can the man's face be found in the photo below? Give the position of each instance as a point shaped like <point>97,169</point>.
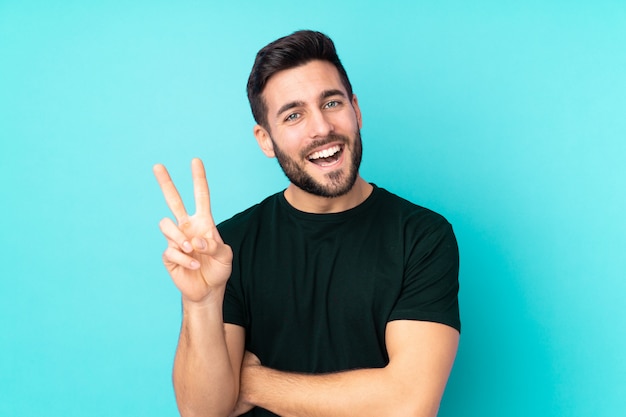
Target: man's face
<point>314,129</point>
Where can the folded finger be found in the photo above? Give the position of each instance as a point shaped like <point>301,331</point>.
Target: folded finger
<point>176,257</point>
<point>173,234</point>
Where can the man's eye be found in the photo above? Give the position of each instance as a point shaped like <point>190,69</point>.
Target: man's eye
<point>292,117</point>
<point>331,104</point>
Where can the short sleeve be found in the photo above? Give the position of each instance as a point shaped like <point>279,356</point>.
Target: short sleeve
<point>430,284</point>
<point>234,311</point>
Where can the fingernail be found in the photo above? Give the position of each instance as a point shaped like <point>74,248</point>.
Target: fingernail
<point>202,244</point>
<point>194,264</point>
<point>187,246</point>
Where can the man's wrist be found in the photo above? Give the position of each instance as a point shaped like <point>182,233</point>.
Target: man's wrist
<point>252,381</point>
<point>212,303</point>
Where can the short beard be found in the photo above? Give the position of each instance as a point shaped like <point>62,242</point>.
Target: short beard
<point>340,182</point>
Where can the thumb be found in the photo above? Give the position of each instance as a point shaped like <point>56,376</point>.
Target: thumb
<point>211,247</point>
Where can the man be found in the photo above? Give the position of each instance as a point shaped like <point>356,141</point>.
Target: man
<point>332,298</point>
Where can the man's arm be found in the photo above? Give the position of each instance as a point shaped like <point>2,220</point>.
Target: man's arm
<point>207,364</point>
<point>421,355</point>
<point>208,358</point>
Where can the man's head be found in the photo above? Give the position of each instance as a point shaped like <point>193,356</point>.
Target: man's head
<point>289,52</point>
<point>308,118</point>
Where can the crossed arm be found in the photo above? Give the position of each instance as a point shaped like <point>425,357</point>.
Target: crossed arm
<point>421,355</point>
<point>213,376</point>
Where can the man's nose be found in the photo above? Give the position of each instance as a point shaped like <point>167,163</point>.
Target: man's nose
<point>320,124</point>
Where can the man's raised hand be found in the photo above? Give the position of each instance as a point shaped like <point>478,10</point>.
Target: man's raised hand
<point>196,257</point>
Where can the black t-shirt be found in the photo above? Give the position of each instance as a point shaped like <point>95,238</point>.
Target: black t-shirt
<point>314,292</point>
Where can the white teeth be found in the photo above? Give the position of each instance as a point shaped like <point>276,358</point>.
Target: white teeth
<point>325,153</point>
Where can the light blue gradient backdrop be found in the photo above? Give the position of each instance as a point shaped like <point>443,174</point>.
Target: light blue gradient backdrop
<point>508,118</point>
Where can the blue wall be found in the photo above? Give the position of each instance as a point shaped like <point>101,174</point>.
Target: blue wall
<point>508,118</point>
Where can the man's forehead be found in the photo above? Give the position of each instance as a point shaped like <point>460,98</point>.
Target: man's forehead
<point>304,82</point>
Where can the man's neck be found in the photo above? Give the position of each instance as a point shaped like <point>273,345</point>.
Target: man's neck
<point>310,203</point>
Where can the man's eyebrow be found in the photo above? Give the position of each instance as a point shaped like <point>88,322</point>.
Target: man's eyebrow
<point>288,106</point>
<point>324,95</point>
<point>329,93</point>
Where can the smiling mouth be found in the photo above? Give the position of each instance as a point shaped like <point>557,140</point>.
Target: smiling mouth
<point>326,157</point>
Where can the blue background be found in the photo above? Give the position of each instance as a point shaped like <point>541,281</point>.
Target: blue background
<point>507,117</point>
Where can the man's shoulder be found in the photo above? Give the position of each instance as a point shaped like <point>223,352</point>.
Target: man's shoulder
<point>242,220</point>
<point>401,207</point>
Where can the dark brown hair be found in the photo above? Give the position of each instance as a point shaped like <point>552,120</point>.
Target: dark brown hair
<point>288,52</point>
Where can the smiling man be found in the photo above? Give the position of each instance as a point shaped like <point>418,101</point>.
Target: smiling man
<point>333,297</point>
<point>312,128</point>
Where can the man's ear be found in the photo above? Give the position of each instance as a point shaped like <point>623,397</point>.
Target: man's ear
<point>264,140</point>
<point>357,110</point>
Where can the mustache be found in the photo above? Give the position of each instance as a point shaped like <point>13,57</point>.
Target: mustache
<point>324,141</point>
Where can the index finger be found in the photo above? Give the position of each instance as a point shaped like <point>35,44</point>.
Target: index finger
<point>201,188</point>
<point>172,198</point>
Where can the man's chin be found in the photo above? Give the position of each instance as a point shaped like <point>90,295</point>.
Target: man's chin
<point>318,180</point>
<point>335,184</point>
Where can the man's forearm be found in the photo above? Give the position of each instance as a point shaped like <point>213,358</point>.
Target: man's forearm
<point>203,376</point>
<point>421,355</point>
<point>364,392</point>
